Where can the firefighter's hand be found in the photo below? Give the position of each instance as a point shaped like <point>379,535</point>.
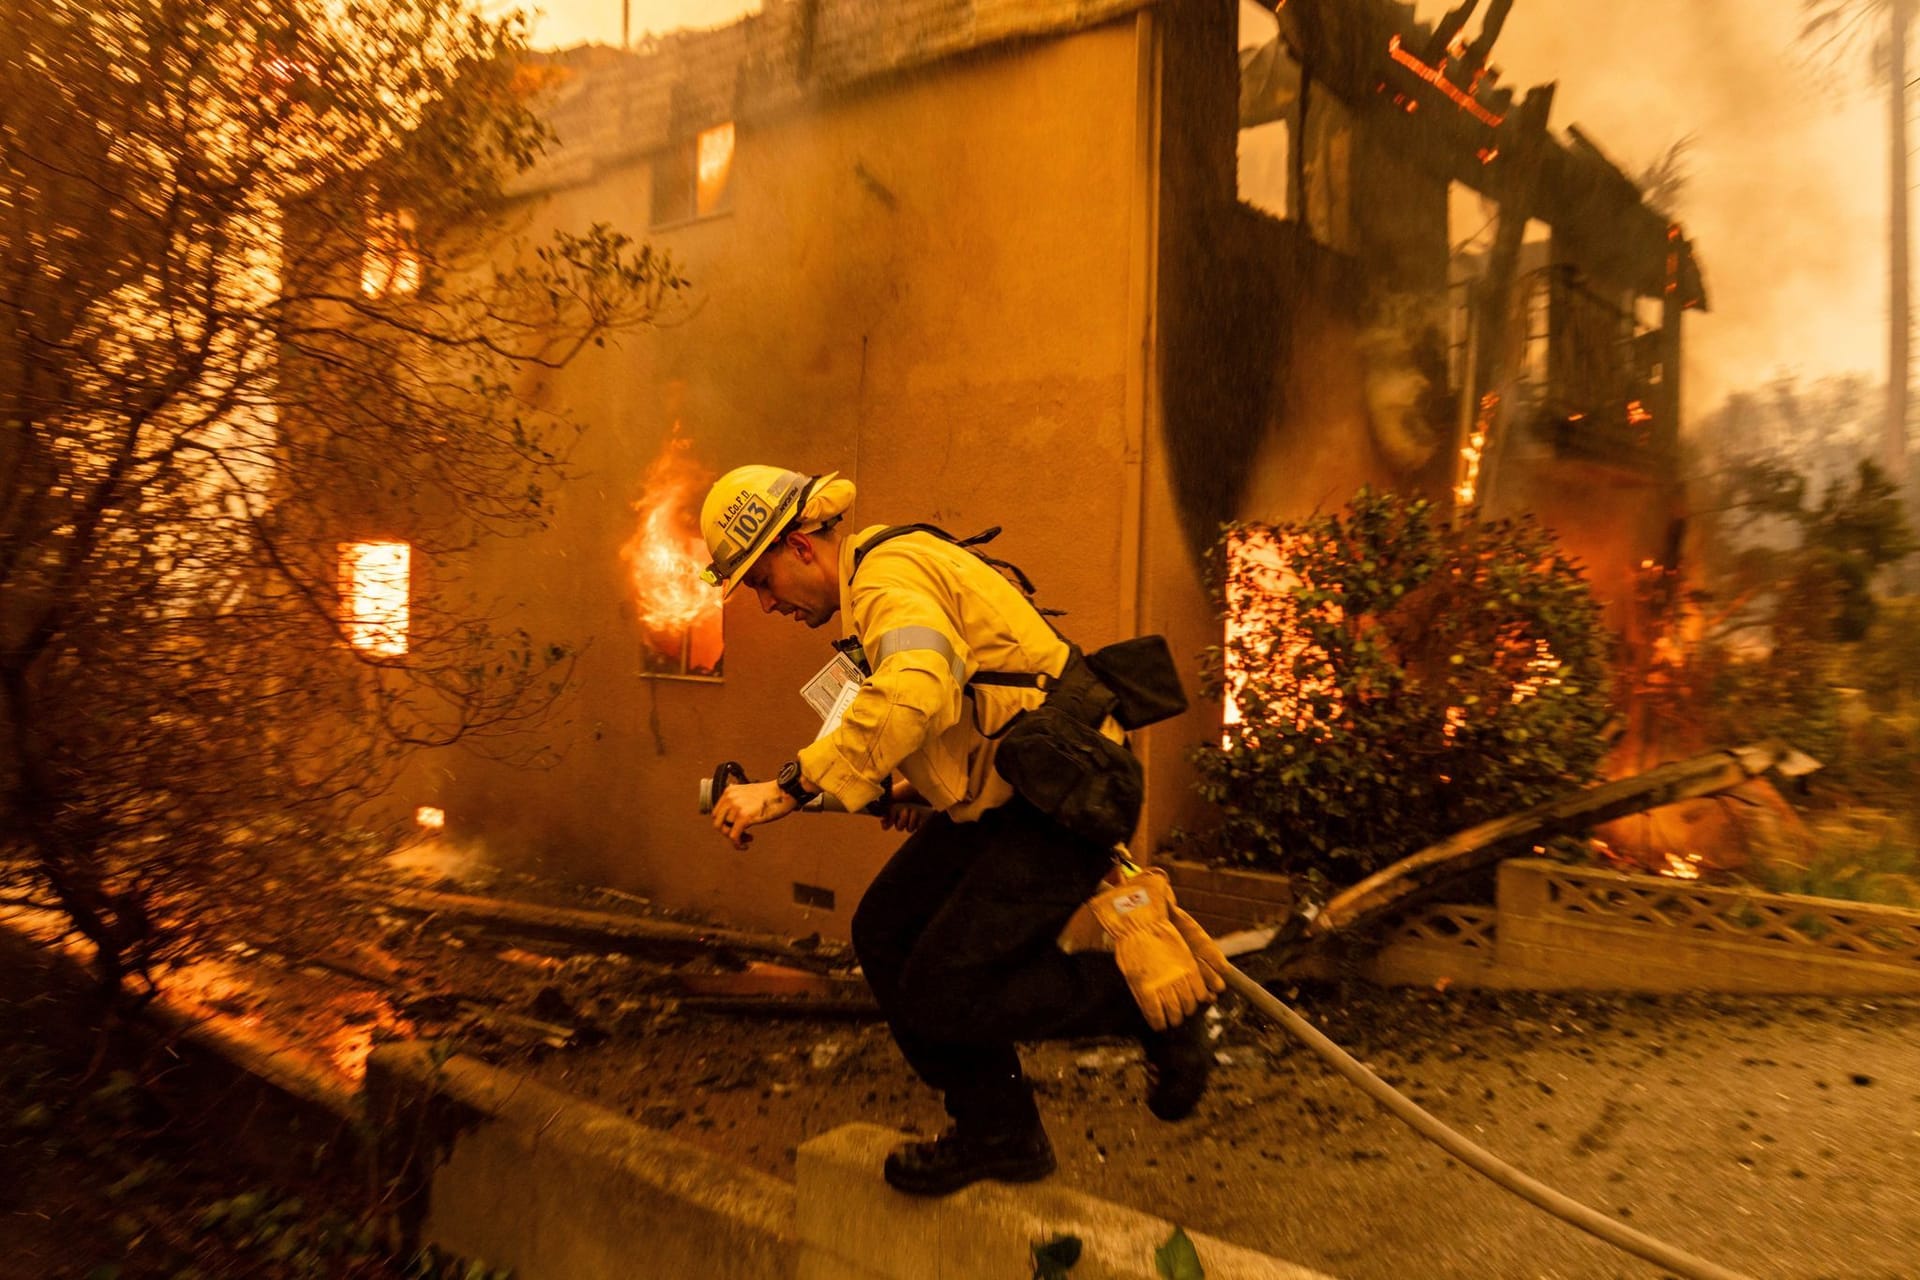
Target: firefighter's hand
<point>748,804</point>
<point>904,817</point>
<point>906,810</point>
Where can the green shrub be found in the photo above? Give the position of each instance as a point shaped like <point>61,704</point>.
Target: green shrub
<point>1398,679</point>
<point>1864,856</point>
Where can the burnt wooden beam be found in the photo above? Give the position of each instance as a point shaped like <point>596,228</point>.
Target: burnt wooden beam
<point>854,1008</point>
<point>1389,890</point>
<point>602,930</point>
<point>1393,889</point>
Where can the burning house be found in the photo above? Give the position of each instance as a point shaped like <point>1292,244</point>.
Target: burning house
<point>1106,273</point>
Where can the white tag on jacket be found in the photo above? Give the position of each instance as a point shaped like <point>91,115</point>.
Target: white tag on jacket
<point>838,711</point>
<point>831,688</point>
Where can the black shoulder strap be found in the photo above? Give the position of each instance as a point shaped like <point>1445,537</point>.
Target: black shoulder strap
<point>972,543</point>
<point>1008,679</point>
<point>888,534</point>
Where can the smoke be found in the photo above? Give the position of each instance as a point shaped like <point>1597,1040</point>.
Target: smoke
<point>1787,190</point>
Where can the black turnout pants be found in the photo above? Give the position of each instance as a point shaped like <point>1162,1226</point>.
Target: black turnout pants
<point>956,937</point>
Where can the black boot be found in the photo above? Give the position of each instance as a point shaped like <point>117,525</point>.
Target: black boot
<point>959,1157</point>
<point>1179,1060</point>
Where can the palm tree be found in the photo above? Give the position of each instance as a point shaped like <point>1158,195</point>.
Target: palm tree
<point>1835,23</point>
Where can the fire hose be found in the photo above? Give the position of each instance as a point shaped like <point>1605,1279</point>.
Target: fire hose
<point>1474,1156</point>
<point>1469,1153</point>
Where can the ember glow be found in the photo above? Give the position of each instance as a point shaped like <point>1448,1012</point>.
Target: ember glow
<point>375,582</point>
<point>428,818</point>
<point>665,555</point>
<point>1673,866</point>
<point>1542,672</point>
<point>1437,77</point>
<point>1680,868</point>
<point>1473,453</point>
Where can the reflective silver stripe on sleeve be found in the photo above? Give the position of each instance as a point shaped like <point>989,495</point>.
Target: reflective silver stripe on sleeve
<point>900,639</point>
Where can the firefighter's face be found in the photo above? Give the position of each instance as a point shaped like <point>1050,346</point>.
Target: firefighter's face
<point>796,580</point>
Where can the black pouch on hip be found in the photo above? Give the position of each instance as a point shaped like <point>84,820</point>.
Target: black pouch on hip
<point>1058,760</point>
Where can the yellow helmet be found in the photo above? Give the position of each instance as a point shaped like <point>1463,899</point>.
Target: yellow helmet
<point>745,513</point>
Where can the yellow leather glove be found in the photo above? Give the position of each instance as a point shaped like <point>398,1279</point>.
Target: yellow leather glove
<point>1213,961</point>
<point>1158,964</point>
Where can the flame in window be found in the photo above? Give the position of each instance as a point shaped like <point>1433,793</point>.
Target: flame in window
<point>664,558</point>
<point>713,166</point>
<point>375,581</point>
<point>1264,630</point>
<point>390,263</point>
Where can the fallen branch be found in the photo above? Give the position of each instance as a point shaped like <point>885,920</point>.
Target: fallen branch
<point>1392,890</point>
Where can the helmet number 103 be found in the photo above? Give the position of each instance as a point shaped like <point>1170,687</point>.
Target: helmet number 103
<point>746,522</point>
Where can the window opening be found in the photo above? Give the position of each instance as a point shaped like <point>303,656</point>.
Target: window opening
<point>375,583</point>
<point>390,260</point>
<point>1264,167</point>
<point>1269,106</point>
<point>694,179</point>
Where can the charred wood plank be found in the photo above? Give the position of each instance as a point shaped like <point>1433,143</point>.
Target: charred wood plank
<point>784,1006</point>
<point>521,1029</point>
<point>597,930</point>
<point>762,981</point>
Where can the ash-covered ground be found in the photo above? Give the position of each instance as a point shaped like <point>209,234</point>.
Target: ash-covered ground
<point>1776,1136</point>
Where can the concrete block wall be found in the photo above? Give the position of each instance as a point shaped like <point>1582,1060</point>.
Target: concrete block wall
<point>513,1174</point>
<point>852,1226</point>
<point>1571,928</point>
<point>1225,900</point>
<point>509,1173</point>
<point>1557,928</point>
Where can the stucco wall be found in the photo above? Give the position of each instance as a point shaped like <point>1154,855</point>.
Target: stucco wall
<point>923,284</point>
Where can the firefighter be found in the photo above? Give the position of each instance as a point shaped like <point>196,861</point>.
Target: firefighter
<point>957,933</point>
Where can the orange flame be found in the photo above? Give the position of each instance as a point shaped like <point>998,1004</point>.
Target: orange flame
<point>666,553</point>
<point>1679,868</point>
<point>1473,453</point>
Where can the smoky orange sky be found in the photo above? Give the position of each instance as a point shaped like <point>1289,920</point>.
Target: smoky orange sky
<point>1788,196</point>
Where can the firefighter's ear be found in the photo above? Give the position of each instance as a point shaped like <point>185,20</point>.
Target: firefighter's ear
<point>801,546</point>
